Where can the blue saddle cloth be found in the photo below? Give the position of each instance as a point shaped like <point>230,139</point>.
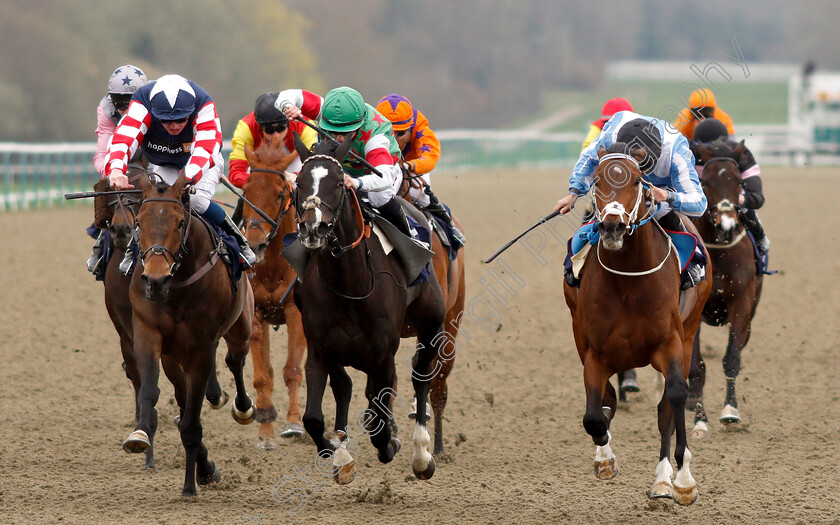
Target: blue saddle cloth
<point>422,234</point>
<point>761,259</point>
<point>234,264</point>
<point>685,243</point>
<point>447,229</point>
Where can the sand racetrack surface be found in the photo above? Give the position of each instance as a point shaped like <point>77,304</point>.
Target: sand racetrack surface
<point>516,449</point>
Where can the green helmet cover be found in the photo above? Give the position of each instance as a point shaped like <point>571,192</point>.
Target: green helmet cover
<point>343,110</point>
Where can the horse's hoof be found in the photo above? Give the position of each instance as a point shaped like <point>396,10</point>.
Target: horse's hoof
<point>428,472</point>
<point>630,385</point>
<point>223,399</point>
<point>701,430</point>
<point>345,474</point>
<point>292,430</point>
<point>413,413</point>
<point>685,495</point>
<point>214,477</point>
<point>177,421</point>
<point>663,489</point>
<point>730,415</point>
<point>691,402</point>
<point>189,493</point>
<point>606,469</point>
<point>137,442</point>
<point>266,443</point>
<point>243,418</point>
<point>396,444</point>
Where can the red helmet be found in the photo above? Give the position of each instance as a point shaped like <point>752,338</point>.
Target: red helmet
<point>614,105</point>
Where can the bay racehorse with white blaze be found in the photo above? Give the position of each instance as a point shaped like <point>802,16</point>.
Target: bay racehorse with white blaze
<point>626,314</point>
<point>736,287</point>
<point>183,302</point>
<point>356,304</point>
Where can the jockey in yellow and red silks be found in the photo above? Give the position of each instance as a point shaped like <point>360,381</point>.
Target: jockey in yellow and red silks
<point>420,149</point>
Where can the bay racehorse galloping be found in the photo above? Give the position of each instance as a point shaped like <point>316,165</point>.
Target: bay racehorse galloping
<point>356,305</point>
<point>117,212</point>
<point>271,277</point>
<point>183,302</point>
<point>450,276</point>
<point>736,287</point>
<point>626,314</point>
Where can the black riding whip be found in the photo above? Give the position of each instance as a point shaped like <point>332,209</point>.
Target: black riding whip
<point>89,194</point>
<point>232,188</point>
<point>508,245</point>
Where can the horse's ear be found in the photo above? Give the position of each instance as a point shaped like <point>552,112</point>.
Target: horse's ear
<point>250,156</point>
<point>145,182</point>
<point>740,149</point>
<point>639,154</point>
<point>703,153</point>
<point>300,147</point>
<point>342,149</point>
<point>178,187</point>
<point>601,152</point>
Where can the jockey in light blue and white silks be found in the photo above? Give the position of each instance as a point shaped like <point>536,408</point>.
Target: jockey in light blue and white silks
<point>674,169</point>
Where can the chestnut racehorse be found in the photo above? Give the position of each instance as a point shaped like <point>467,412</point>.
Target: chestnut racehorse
<point>450,275</point>
<point>626,314</point>
<point>183,301</point>
<point>269,191</point>
<point>736,287</point>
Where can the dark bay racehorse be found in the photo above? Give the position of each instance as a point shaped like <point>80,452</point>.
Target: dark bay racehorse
<point>450,275</point>
<point>355,306</point>
<point>626,314</point>
<point>269,191</point>
<point>736,288</point>
<point>117,213</point>
<point>183,301</point>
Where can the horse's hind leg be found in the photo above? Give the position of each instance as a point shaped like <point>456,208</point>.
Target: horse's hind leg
<point>739,334</point>
<point>596,421</point>
<point>380,394</point>
<point>214,393</point>
<point>696,383</point>
<point>438,394</point>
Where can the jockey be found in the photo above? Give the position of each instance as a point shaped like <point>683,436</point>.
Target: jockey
<point>668,167</point>
<point>420,149</point>
<point>344,114</point>
<point>611,107</point>
<point>266,123</point>
<point>752,196</point>
<point>123,83</point>
<point>701,105</point>
<point>173,121</point>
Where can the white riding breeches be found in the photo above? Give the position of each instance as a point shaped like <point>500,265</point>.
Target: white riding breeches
<point>205,188</point>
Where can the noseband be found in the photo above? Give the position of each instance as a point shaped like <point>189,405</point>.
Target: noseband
<point>158,249</point>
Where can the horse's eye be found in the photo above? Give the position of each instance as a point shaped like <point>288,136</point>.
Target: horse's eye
<point>638,181</point>
<point>181,225</point>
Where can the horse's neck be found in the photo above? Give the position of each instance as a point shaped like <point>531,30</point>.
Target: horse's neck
<point>643,249</point>
<point>198,246</point>
<point>350,269</point>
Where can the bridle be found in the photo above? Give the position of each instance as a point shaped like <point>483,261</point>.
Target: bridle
<point>159,249</point>
<point>313,202</point>
<point>724,206</point>
<point>285,206</point>
<point>126,203</point>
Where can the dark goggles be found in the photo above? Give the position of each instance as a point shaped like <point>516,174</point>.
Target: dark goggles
<point>176,121</point>
<point>120,101</point>
<point>274,127</point>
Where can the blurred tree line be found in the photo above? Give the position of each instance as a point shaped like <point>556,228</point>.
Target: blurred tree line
<point>464,64</point>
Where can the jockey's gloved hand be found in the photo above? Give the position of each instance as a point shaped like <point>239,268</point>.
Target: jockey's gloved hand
<point>406,167</point>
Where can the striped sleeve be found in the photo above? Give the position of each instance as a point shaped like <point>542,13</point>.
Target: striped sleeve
<point>128,137</point>
<point>688,194</point>
<point>206,143</point>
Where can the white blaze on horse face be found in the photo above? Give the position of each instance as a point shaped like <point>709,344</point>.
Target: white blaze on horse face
<point>318,173</point>
<point>727,222</point>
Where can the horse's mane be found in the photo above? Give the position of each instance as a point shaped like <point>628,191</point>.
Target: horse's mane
<point>269,155</point>
<point>619,147</point>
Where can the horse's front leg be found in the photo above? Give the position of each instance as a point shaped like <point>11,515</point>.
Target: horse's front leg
<point>147,349</point>
<point>344,466</point>
<point>696,383</point>
<point>293,370</point>
<point>739,335</point>
<point>263,381</point>
<point>596,419</point>
<point>313,417</point>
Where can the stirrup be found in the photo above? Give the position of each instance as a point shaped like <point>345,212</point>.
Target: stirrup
<point>247,256</point>
<point>458,237</point>
<point>764,244</point>
<point>127,263</point>
<point>692,277</point>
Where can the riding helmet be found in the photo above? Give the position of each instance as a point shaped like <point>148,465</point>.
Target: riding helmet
<point>172,98</point>
<point>641,132</point>
<point>613,106</point>
<point>398,110</point>
<point>266,112</point>
<point>710,130</point>
<point>702,98</point>
<point>126,79</point>
<point>343,110</point>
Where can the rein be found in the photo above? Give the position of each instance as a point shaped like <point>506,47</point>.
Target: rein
<point>285,206</point>
<point>645,272</point>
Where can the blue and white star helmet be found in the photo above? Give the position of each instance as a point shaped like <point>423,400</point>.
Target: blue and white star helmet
<point>126,79</point>
<point>172,98</point>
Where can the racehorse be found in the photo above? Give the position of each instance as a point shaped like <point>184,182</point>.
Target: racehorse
<point>182,304</point>
<point>626,314</point>
<point>117,213</point>
<point>450,276</point>
<point>271,277</point>
<point>736,288</point>
<point>356,305</point>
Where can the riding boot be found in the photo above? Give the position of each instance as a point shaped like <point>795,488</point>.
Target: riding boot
<point>393,213</point>
<point>247,255</point>
<point>237,213</point>
<point>98,252</point>
<point>753,224</point>
<point>439,210</point>
<point>695,272</point>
